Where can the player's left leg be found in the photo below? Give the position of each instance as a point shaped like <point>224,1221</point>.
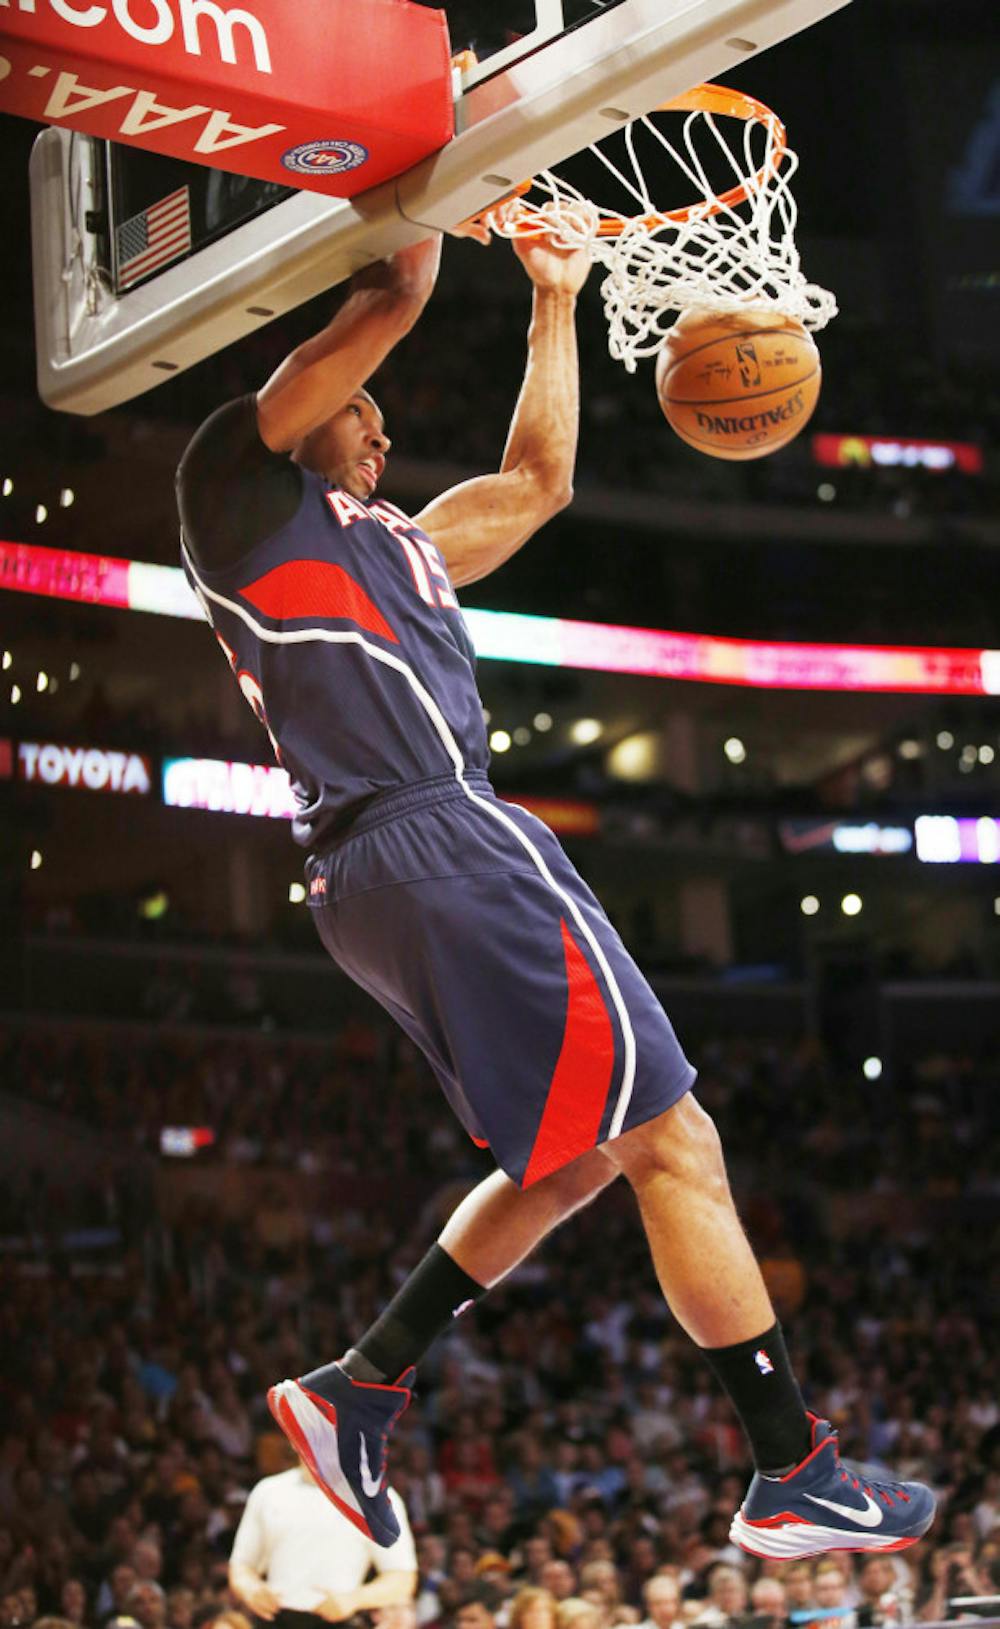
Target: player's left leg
<point>493,1229</point>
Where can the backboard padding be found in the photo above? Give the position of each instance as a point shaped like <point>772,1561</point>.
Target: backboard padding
<point>529,105</point>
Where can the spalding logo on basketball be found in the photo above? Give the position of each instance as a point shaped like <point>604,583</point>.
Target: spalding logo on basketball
<point>738,385</point>
<point>325,157</point>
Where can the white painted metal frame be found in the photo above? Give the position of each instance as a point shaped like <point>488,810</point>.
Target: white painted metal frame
<point>96,350</point>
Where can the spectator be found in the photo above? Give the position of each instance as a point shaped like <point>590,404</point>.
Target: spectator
<point>768,1607</point>
<point>558,1577</point>
<point>115,1591</point>
<point>881,1600</point>
<point>147,1604</point>
<point>532,1608</point>
<point>576,1613</point>
<point>830,1591</point>
<point>662,1599</point>
<point>295,1558</point>
<point>476,1611</point>
<point>73,1602</point>
<point>799,1592</point>
<point>727,1598</point>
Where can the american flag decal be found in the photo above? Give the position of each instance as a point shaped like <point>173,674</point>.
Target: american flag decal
<point>153,238</point>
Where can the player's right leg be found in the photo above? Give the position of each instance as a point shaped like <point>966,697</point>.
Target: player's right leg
<point>803,1499</point>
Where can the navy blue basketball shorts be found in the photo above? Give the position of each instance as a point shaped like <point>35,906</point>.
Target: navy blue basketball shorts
<point>463,917</point>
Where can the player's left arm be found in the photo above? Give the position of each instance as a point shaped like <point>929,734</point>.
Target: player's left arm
<point>481,523</point>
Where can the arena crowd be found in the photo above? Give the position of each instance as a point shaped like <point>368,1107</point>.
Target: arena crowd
<point>565,1438</point>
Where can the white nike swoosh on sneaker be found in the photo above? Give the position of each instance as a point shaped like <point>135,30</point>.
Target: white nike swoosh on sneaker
<point>871,1516</point>
<point>369,1483</point>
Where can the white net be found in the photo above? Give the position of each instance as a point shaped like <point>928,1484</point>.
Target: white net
<point>723,253</point>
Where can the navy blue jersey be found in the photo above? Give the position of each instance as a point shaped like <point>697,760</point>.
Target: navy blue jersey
<point>345,635</point>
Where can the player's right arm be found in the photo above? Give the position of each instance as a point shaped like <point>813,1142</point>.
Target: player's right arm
<point>322,374</point>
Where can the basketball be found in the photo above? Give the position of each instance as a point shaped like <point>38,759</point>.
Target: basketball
<point>737,385</point>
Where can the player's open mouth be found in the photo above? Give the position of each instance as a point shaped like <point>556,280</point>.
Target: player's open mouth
<point>370,471</point>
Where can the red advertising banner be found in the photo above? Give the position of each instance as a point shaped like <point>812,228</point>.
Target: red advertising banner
<point>333,96</point>
<point>897,452</point>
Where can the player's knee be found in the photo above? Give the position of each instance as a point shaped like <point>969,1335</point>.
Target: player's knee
<point>682,1144</point>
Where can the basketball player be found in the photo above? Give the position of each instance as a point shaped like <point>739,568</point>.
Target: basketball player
<point>460,913</point>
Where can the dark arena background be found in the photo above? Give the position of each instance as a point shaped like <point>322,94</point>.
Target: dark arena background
<point>218,1158</point>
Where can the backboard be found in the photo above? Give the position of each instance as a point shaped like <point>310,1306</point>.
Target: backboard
<point>547,78</point>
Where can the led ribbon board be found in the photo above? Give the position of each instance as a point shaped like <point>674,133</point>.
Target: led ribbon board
<point>506,636</point>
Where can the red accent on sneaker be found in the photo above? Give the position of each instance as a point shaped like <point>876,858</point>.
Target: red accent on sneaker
<point>840,1549</point>
<point>786,1518</point>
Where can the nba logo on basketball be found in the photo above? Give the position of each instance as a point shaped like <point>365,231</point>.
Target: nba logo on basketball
<point>763,1362</point>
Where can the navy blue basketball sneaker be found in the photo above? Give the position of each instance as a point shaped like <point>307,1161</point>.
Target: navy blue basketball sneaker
<point>340,1428</point>
<point>826,1503</point>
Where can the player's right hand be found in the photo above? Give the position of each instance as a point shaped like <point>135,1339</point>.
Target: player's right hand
<point>411,272</point>
<point>263,1602</point>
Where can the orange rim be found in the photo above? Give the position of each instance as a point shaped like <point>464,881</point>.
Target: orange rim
<point>721,99</point>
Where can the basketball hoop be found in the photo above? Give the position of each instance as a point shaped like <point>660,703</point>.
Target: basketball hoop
<point>730,249</point>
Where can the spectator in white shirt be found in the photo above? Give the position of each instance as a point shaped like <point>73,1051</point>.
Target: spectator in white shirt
<point>299,1564</point>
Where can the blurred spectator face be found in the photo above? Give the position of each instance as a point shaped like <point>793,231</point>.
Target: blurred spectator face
<point>728,1589</point>
<point>73,1600</point>
<point>798,1582</point>
<point>601,1576</point>
<point>876,1578</point>
<point>147,1559</point>
<point>643,1557</point>
<point>180,1608</point>
<point>576,1613</point>
<point>431,1553</point>
<point>557,1577</point>
<point>11,1612</point>
<point>121,1536</point>
<point>147,1603</point>
<point>830,1589</point>
<point>123,1580</point>
<point>473,1615</point>
<point>496,1515</point>
<point>537,1550</point>
<point>533,1609</point>
<point>462,1565</point>
<point>767,1598</point>
<point>663,1601</point>
<point>593,1597</point>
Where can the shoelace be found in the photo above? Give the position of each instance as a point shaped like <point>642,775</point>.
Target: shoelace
<point>882,1489</point>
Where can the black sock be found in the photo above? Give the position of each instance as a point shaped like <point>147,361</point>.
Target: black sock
<point>436,1290</point>
<point>765,1394</point>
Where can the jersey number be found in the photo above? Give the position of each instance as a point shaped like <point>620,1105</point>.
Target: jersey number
<point>251,690</point>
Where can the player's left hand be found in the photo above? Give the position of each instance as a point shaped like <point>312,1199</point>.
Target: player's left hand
<point>563,271</point>
<point>334,1608</point>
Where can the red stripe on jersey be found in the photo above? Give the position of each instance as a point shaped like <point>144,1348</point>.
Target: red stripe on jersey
<point>315,588</point>
<point>574,1107</point>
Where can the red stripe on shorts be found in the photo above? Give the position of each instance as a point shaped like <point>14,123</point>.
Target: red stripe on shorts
<point>574,1107</point>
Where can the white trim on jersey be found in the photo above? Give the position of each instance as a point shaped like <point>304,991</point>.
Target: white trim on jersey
<point>329,636</point>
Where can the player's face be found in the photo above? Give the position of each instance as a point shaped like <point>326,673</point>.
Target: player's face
<point>350,449</point>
